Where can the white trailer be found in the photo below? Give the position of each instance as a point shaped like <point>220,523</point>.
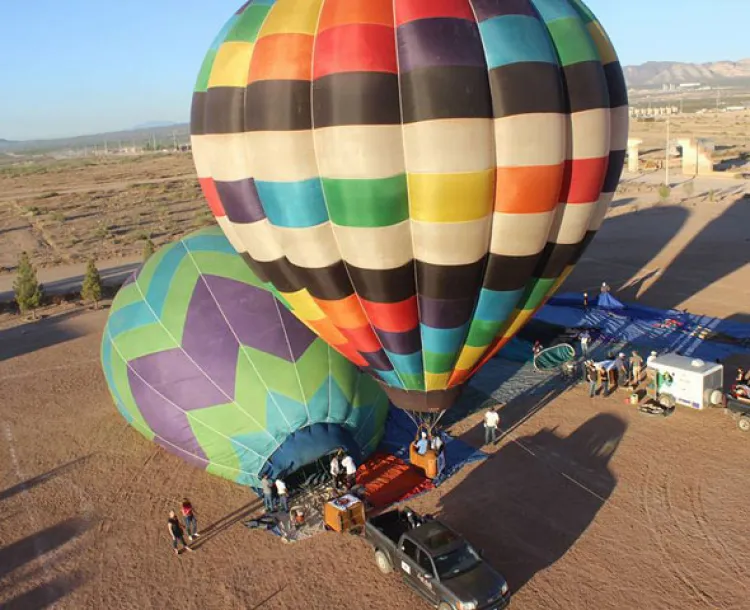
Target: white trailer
<point>690,382</point>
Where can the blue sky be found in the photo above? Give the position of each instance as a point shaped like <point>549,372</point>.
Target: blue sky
<point>88,66</point>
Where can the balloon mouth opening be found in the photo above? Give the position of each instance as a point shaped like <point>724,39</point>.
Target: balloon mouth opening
<point>431,401</point>
<point>307,446</point>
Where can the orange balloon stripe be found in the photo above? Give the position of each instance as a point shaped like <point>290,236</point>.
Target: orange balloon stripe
<point>528,190</point>
<point>282,57</point>
<point>344,313</point>
<point>345,12</point>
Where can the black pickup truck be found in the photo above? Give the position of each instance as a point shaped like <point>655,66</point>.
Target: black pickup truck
<point>436,562</point>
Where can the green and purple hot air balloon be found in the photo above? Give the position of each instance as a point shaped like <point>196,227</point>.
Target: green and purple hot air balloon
<point>202,359</point>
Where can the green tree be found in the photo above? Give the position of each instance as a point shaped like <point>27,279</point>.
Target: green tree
<point>26,286</point>
<point>92,284</point>
<point>664,193</point>
<point>148,249</point>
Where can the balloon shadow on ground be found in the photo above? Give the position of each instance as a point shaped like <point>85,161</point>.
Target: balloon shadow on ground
<point>536,496</point>
<point>710,249</point>
<point>45,595</point>
<point>42,478</point>
<point>33,336</point>
<point>36,547</point>
<point>624,266</point>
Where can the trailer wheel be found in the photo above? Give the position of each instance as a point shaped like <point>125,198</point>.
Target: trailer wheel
<point>743,423</point>
<point>383,563</point>
<point>667,401</point>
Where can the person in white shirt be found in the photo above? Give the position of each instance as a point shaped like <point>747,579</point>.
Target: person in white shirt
<point>437,442</point>
<point>585,338</point>
<point>650,358</point>
<point>491,422</point>
<point>350,469</point>
<point>282,493</point>
<point>336,470</point>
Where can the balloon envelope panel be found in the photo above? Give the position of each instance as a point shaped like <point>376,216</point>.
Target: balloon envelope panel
<point>201,358</point>
<point>415,178</point>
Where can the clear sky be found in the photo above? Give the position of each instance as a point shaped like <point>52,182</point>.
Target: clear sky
<point>87,66</point>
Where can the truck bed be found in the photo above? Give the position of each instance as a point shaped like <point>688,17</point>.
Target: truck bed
<point>391,525</point>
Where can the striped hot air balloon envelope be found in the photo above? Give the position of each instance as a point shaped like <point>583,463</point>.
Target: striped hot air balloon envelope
<point>415,178</point>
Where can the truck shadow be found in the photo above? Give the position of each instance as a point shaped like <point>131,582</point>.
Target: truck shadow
<point>528,504</point>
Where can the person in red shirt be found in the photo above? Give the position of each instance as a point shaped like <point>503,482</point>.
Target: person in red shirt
<point>191,523</point>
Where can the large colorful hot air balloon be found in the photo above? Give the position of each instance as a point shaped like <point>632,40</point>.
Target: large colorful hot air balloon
<point>201,358</point>
<point>414,177</point>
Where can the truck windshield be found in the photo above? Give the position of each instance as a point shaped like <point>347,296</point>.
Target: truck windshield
<point>456,562</point>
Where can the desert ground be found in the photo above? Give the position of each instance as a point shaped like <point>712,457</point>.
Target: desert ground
<point>585,504</point>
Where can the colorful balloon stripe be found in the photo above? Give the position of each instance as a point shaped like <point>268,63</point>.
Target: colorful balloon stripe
<point>415,178</point>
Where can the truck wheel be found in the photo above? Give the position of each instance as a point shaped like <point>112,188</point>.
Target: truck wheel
<point>743,423</point>
<point>383,563</point>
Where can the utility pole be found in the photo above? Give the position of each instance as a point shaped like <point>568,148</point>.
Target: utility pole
<point>174,139</point>
<point>153,139</point>
<point>666,164</point>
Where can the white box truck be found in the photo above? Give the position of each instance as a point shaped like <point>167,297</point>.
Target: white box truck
<point>680,380</point>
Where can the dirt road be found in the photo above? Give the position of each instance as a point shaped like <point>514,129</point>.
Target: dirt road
<point>69,278</point>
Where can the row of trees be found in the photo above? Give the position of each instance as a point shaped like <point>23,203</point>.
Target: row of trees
<point>29,292</point>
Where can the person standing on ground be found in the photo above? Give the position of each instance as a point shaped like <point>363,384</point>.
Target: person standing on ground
<point>636,366</point>
<point>585,300</point>
<point>282,493</point>
<point>267,487</point>
<point>191,523</point>
<point>585,339</point>
<point>605,288</point>
<point>623,374</point>
<point>603,378</point>
<point>350,469</point>
<point>176,532</point>
<point>491,422</point>
<point>335,470</point>
<point>592,377</point>
<point>650,358</point>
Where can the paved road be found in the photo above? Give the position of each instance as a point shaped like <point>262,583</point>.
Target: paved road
<point>69,278</point>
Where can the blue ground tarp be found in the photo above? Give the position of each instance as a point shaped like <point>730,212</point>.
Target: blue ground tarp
<point>648,328</point>
<point>607,301</point>
<point>400,431</point>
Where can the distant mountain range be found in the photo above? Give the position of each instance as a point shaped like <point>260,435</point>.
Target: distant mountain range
<point>161,130</point>
<point>155,124</point>
<point>666,72</point>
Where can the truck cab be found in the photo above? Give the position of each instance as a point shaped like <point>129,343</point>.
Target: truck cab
<point>435,561</point>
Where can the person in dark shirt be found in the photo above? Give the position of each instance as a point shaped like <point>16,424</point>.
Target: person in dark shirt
<point>176,532</point>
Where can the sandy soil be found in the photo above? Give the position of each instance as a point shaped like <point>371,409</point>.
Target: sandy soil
<point>65,212</point>
<point>587,504</point>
